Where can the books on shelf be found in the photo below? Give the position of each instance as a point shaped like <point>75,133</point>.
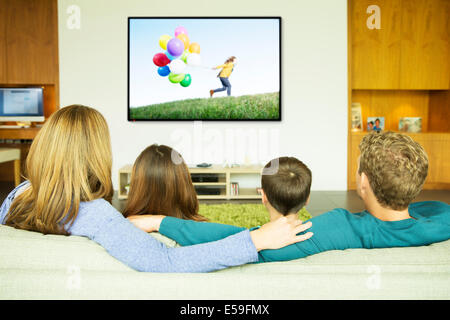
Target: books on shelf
<point>234,188</point>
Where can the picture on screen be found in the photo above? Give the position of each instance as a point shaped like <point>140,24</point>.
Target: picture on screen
<point>204,68</point>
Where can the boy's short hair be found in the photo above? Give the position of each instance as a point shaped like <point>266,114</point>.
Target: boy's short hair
<point>396,167</point>
<point>286,181</point>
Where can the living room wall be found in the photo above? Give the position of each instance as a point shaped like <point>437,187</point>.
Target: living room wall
<point>93,72</point>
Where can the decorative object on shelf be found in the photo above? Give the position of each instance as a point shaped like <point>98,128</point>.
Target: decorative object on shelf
<point>375,123</point>
<point>204,165</point>
<point>356,117</point>
<point>410,124</point>
<point>127,188</point>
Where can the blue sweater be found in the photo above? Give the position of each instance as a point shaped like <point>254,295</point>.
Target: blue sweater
<point>337,229</point>
<point>102,223</point>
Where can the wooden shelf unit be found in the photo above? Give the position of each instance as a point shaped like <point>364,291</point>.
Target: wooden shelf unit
<point>225,177</point>
<point>29,58</point>
<point>402,70</point>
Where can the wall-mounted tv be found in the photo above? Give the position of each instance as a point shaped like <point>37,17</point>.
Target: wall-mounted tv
<point>204,68</point>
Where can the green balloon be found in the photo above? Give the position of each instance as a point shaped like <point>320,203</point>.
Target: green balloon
<point>186,81</point>
<point>184,56</point>
<point>176,78</point>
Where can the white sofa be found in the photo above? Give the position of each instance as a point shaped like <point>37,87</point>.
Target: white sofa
<point>36,266</point>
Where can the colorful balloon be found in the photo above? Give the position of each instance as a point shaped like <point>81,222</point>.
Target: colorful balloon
<point>177,66</point>
<point>185,39</point>
<point>194,47</point>
<point>179,52</point>
<point>175,47</point>
<point>194,60</point>
<point>169,56</point>
<point>180,30</point>
<point>164,71</point>
<point>176,78</point>
<point>160,59</point>
<point>163,40</point>
<point>186,81</point>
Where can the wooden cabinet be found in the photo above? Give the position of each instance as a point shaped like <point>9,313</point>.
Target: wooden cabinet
<point>375,53</point>
<point>402,70</point>
<point>31,34</point>
<point>29,47</point>
<point>411,50</point>
<point>3,76</point>
<point>29,57</point>
<point>425,34</point>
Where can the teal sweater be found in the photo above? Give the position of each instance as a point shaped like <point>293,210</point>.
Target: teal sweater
<point>337,229</point>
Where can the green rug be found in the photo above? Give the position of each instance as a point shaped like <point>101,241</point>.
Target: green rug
<point>242,215</point>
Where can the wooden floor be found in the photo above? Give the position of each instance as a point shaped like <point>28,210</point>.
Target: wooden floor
<point>320,202</point>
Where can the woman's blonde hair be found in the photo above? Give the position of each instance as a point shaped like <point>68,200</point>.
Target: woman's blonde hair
<point>69,162</point>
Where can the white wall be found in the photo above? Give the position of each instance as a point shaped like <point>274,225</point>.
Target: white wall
<point>93,72</point>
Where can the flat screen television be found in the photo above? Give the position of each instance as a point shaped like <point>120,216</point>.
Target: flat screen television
<point>21,104</point>
<point>204,68</point>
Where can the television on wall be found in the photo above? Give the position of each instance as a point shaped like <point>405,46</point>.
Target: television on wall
<point>204,68</point>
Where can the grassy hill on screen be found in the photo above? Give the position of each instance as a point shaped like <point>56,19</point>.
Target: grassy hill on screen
<point>259,106</point>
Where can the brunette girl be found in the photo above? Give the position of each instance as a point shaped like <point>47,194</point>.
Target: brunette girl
<point>161,184</point>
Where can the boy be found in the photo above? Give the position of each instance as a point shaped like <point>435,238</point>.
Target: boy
<point>392,170</point>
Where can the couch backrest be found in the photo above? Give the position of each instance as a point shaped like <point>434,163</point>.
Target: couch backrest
<point>33,265</point>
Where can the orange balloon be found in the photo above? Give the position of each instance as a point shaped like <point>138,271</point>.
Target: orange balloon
<point>185,39</point>
<point>194,47</point>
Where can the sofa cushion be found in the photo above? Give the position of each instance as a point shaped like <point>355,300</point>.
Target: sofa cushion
<point>33,265</point>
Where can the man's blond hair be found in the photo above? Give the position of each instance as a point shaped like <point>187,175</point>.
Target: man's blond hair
<point>396,167</point>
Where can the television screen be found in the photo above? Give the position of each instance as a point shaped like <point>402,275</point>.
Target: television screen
<point>21,104</point>
<point>209,68</point>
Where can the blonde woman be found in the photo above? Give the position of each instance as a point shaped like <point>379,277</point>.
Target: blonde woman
<point>68,189</point>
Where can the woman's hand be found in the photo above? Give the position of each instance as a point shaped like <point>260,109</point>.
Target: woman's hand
<point>147,222</point>
<point>280,233</point>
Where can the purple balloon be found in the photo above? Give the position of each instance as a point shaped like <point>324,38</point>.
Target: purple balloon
<point>180,30</point>
<point>175,47</point>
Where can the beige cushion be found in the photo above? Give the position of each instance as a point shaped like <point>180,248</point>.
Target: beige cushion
<point>36,266</point>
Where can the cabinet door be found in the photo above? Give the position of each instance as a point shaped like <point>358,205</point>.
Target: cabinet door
<point>3,75</point>
<point>376,52</point>
<point>32,41</point>
<point>425,58</point>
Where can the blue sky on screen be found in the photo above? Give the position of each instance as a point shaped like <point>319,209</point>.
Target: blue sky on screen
<point>255,43</point>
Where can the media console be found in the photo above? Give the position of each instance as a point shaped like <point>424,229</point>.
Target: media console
<point>215,182</point>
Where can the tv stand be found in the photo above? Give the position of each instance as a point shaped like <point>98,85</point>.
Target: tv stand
<point>213,182</point>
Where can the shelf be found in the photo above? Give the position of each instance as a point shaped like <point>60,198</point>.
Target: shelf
<point>18,134</point>
<point>209,183</point>
<point>224,184</point>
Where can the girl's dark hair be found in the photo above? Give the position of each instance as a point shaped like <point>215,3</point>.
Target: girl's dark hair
<point>161,184</point>
<point>230,59</point>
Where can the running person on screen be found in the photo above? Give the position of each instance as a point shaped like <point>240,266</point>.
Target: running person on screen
<point>227,69</point>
